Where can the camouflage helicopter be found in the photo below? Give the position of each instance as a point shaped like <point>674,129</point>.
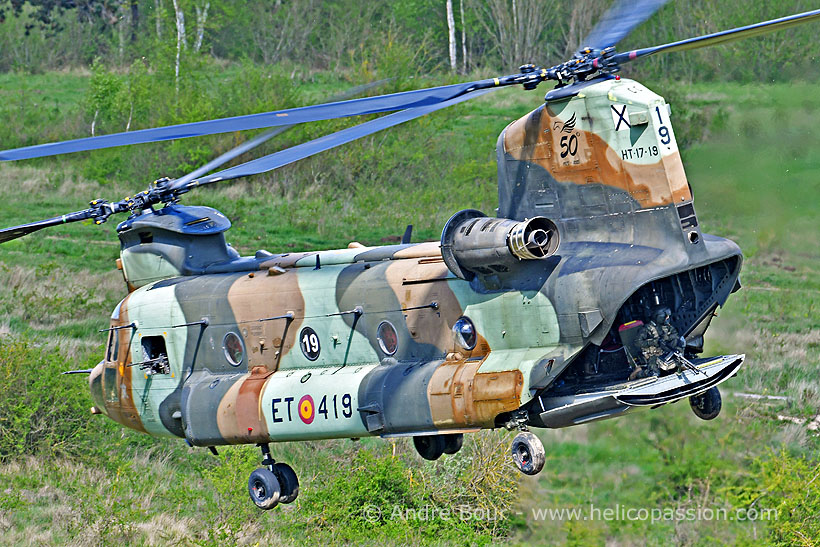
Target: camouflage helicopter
<point>536,317</point>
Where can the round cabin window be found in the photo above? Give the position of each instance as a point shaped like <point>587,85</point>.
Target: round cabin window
<point>234,349</point>
<point>464,331</point>
<point>388,338</point>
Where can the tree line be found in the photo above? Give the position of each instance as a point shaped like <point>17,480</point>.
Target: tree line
<point>388,37</point>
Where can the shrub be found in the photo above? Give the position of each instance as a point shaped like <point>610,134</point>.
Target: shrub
<point>40,410</point>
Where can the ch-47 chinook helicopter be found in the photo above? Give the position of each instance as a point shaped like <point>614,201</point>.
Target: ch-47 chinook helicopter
<point>525,319</point>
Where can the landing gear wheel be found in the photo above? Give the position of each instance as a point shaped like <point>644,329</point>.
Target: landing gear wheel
<point>429,447</point>
<point>528,453</point>
<point>706,405</point>
<point>263,486</point>
<point>453,442</point>
<point>288,481</point>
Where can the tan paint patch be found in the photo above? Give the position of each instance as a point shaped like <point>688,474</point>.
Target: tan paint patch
<point>239,416</point>
<point>530,139</point>
<point>461,396</point>
<point>263,296</point>
<point>428,248</point>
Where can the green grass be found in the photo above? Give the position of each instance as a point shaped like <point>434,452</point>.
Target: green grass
<point>754,171</point>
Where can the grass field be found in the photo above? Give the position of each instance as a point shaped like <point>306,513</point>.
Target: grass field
<point>68,477</point>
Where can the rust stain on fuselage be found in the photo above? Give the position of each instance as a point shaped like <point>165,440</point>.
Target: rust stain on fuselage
<point>461,396</point>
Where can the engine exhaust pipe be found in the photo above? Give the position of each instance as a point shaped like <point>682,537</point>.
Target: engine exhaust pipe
<point>472,243</point>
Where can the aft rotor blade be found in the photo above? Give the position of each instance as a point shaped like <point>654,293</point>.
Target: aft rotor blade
<point>619,21</point>
<point>304,150</point>
<point>292,116</point>
<point>19,231</point>
<point>721,37</point>
<point>267,135</point>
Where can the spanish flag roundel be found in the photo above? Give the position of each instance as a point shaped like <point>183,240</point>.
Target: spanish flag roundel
<point>306,409</point>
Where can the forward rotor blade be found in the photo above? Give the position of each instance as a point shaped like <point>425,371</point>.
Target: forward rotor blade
<point>267,135</point>
<point>304,150</point>
<point>19,231</point>
<point>721,37</point>
<point>619,21</point>
<point>292,116</point>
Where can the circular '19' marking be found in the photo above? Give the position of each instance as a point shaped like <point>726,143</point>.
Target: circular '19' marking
<point>309,342</point>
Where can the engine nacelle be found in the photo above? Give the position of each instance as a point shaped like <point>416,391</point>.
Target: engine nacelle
<point>473,243</point>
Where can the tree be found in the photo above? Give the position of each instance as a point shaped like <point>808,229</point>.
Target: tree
<point>46,13</point>
<point>463,37</point>
<point>181,40</point>
<point>451,34</point>
<point>518,28</point>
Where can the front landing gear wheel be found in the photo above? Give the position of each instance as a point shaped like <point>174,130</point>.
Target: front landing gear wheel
<point>528,453</point>
<point>263,486</point>
<point>288,482</point>
<point>706,405</point>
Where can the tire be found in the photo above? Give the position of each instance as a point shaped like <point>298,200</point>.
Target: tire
<point>429,447</point>
<point>453,442</point>
<point>263,487</point>
<point>528,453</point>
<point>706,405</point>
<point>288,481</point>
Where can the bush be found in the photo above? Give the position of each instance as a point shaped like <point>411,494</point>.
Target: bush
<point>790,486</point>
<point>40,410</point>
<point>465,498</point>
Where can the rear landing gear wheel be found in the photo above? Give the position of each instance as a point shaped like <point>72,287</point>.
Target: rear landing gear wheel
<point>706,405</point>
<point>453,442</point>
<point>263,486</point>
<point>288,482</point>
<point>528,453</point>
<point>429,447</point>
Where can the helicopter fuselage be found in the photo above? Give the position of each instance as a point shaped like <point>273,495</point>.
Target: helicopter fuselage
<point>421,339</point>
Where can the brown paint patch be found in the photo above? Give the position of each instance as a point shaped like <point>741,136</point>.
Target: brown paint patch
<point>461,396</point>
<point>531,139</point>
<point>259,297</point>
<point>239,416</point>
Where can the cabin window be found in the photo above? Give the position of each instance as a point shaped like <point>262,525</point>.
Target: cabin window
<point>388,338</point>
<point>465,333</point>
<point>234,349</point>
<point>153,347</point>
<point>154,356</point>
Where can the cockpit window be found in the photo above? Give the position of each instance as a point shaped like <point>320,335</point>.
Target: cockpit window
<point>110,383</point>
<point>109,345</point>
<point>113,352</point>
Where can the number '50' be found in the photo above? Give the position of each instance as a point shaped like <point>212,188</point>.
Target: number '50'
<point>569,145</point>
